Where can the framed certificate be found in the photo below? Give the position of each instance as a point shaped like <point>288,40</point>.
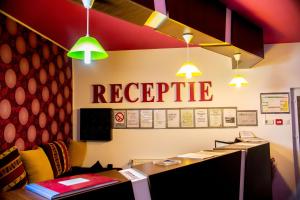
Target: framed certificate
<point>201,118</point>
<point>186,118</point>
<point>274,103</point>
<point>247,117</point>
<point>133,119</point>
<point>229,117</point>
<point>173,118</point>
<point>159,118</point>
<point>215,117</point>
<point>146,118</point>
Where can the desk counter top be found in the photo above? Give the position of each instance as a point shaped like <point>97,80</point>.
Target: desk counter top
<point>151,168</point>
<point>242,145</point>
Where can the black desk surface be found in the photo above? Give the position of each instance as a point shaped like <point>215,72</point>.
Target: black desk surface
<point>258,174</point>
<point>213,178</point>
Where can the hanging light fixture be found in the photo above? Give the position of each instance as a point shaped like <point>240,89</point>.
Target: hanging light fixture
<point>238,80</point>
<point>87,48</point>
<point>188,69</point>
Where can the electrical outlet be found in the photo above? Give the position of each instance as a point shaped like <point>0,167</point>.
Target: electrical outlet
<point>269,122</point>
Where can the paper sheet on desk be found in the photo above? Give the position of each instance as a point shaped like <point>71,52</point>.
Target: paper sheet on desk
<point>132,174</point>
<point>200,155</point>
<point>248,144</point>
<point>253,139</point>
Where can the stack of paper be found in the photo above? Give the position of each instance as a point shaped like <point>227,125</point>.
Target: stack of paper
<point>200,155</point>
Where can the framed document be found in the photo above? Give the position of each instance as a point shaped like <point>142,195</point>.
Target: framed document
<point>119,119</point>
<point>159,118</point>
<point>133,119</point>
<point>247,117</point>
<point>215,117</point>
<point>173,118</point>
<point>146,118</point>
<point>274,103</point>
<point>229,117</point>
<point>201,118</point>
<point>186,118</point>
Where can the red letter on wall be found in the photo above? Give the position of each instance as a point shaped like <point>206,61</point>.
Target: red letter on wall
<point>192,91</point>
<point>127,93</point>
<point>161,88</point>
<point>178,90</point>
<point>98,92</point>
<point>115,93</point>
<point>147,92</point>
<point>205,87</point>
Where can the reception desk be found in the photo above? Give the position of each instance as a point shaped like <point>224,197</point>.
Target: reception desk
<point>213,178</point>
<point>243,171</point>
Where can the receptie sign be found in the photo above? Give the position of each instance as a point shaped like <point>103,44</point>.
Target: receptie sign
<point>152,92</point>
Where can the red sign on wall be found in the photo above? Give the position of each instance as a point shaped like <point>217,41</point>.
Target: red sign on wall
<point>152,92</point>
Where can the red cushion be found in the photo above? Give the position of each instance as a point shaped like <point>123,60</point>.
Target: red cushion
<point>12,171</point>
<point>58,156</point>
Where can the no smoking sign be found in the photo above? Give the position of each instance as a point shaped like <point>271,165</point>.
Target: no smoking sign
<point>119,119</point>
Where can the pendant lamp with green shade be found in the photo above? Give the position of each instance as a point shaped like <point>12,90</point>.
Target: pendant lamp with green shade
<point>87,48</point>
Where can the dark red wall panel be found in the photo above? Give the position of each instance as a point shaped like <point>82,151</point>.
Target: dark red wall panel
<point>35,89</point>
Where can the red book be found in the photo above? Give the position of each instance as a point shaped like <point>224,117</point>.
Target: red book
<point>69,186</point>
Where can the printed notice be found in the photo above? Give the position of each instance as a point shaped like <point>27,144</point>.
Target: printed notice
<point>173,118</point>
<point>201,118</point>
<point>119,118</point>
<point>247,118</point>
<point>187,118</point>
<point>146,118</point>
<point>215,117</point>
<point>159,118</point>
<point>133,119</point>
<point>274,103</point>
<point>229,117</point>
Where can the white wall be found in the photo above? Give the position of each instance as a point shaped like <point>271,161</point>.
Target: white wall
<point>278,72</point>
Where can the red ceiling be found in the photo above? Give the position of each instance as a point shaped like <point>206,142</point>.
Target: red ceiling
<point>280,19</point>
<point>64,22</point>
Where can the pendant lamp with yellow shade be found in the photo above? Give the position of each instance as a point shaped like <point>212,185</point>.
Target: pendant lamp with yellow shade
<point>188,69</point>
<point>238,80</point>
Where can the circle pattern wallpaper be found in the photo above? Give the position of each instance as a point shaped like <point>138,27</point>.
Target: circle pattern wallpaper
<point>35,89</point>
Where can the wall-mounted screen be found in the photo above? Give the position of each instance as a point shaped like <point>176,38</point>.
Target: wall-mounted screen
<point>95,124</point>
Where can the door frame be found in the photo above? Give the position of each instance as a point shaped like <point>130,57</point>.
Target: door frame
<point>296,132</point>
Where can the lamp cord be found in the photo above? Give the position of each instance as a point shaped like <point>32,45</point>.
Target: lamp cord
<point>237,66</point>
<point>187,52</point>
<point>87,21</point>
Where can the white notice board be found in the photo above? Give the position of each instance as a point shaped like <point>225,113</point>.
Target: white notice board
<point>272,103</point>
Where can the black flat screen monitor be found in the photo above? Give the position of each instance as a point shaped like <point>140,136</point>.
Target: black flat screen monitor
<point>95,124</point>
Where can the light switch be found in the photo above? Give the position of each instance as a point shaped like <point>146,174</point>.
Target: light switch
<point>269,122</point>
